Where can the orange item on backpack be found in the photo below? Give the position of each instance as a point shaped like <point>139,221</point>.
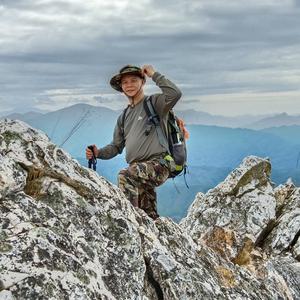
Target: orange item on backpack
<point>182,127</point>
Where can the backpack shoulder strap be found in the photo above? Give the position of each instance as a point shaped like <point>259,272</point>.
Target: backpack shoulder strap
<point>123,116</point>
<point>154,118</point>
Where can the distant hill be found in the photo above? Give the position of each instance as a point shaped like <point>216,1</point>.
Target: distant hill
<point>78,126</point>
<point>225,147</point>
<point>288,133</point>
<point>193,117</point>
<point>26,117</point>
<point>275,121</point>
<point>21,112</point>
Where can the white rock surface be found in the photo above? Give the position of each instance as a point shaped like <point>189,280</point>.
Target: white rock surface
<point>67,233</point>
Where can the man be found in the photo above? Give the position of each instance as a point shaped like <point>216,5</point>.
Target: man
<point>145,155</point>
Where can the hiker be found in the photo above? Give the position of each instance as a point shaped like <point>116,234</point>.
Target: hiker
<point>144,153</point>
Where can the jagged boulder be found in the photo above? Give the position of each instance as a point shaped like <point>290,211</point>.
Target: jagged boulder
<point>250,223</point>
<point>232,216</point>
<point>67,233</point>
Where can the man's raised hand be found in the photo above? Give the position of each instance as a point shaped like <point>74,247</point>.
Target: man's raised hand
<point>148,70</point>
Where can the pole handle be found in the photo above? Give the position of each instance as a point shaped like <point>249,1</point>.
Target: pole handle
<point>93,161</point>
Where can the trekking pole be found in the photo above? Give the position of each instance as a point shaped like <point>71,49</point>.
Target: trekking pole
<point>93,160</point>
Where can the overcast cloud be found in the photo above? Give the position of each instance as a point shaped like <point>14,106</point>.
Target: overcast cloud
<point>228,57</point>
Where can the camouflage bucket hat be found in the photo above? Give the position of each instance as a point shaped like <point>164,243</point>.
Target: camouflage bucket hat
<point>115,82</point>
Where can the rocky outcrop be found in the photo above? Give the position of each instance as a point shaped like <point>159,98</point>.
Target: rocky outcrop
<point>252,224</point>
<point>67,233</point>
<point>236,211</point>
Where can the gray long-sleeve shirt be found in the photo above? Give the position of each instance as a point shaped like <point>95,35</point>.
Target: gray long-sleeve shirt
<point>138,145</point>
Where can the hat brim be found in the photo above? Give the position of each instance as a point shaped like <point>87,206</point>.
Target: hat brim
<point>115,81</point>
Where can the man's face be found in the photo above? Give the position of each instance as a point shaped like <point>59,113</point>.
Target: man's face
<point>131,84</point>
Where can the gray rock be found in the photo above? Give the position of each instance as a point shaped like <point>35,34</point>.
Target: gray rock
<point>287,273</point>
<point>6,295</point>
<point>67,233</point>
<point>72,233</point>
<point>237,210</point>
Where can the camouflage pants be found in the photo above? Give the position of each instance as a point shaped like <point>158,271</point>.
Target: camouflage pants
<point>138,183</point>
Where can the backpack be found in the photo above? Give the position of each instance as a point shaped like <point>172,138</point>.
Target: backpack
<point>174,143</point>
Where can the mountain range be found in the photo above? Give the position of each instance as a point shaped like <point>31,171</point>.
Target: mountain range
<point>191,117</point>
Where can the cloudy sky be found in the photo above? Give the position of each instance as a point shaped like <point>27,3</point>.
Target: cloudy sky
<point>228,57</point>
